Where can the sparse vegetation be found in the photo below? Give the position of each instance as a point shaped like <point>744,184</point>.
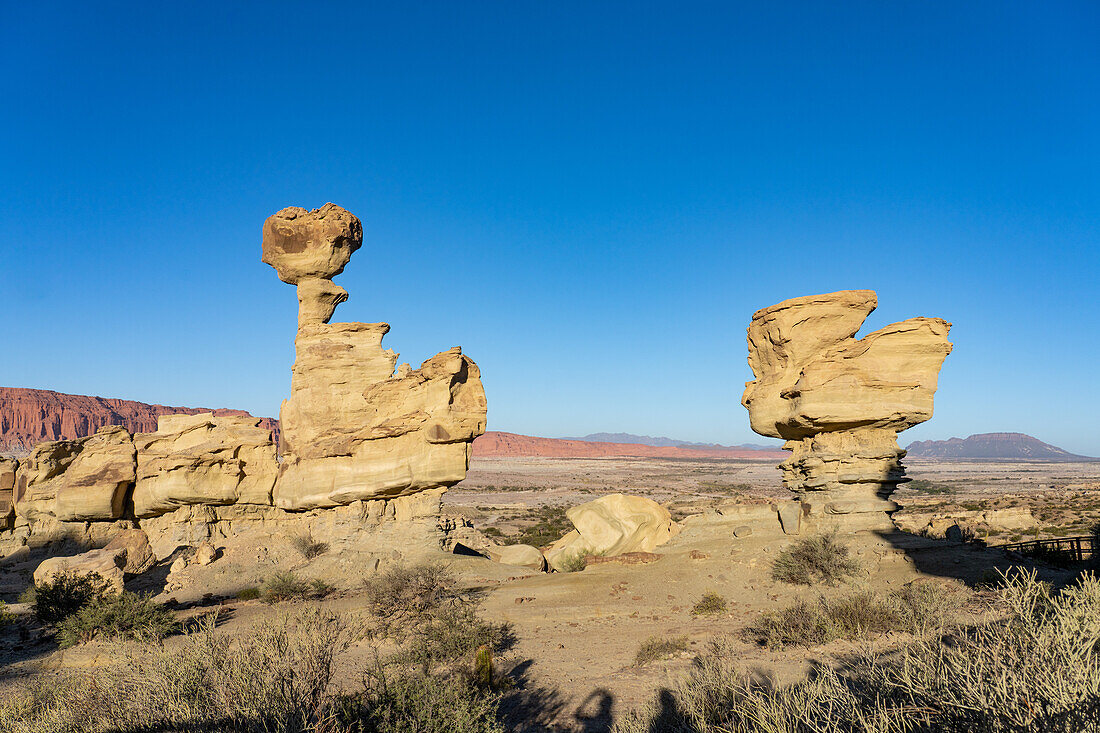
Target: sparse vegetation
<point>307,546</point>
<point>550,524</point>
<point>64,595</point>
<point>1036,669</point>
<point>659,647</point>
<point>248,594</point>
<point>821,558</point>
<point>286,586</point>
<point>710,604</point>
<point>6,616</point>
<point>929,487</point>
<point>573,562</point>
<point>116,616</point>
<point>917,608</point>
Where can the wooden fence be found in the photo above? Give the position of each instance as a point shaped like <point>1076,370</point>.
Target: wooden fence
<point>1073,549</point>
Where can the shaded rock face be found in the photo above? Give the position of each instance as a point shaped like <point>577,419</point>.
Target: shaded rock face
<point>840,401</point>
<point>354,428</point>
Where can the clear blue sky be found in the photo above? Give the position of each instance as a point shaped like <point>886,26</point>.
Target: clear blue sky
<point>591,198</point>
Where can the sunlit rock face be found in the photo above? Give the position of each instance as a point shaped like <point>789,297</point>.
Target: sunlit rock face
<point>840,401</point>
<point>357,426</point>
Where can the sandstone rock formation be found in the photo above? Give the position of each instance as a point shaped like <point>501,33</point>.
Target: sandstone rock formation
<point>77,480</point>
<point>203,459</point>
<point>369,446</point>
<point>106,563</point>
<point>31,416</point>
<point>353,428</point>
<point>613,525</point>
<point>840,401</point>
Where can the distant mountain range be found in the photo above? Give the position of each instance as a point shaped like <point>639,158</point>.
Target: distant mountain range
<point>993,446</point>
<point>663,442</point>
<point>510,445</point>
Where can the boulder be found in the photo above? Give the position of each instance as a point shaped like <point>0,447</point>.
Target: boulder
<point>303,244</point>
<point>139,554</point>
<point>613,525</point>
<point>205,554</point>
<point>106,563</point>
<point>203,459</point>
<point>77,480</point>
<point>524,556</point>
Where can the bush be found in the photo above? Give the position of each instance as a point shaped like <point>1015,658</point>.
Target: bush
<point>28,595</point>
<point>286,586</point>
<point>551,524</point>
<point>420,703</point>
<point>917,608</point>
<point>573,562</point>
<point>819,558</point>
<point>122,616</point>
<point>711,603</point>
<point>66,594</point>
<point>248,594</point>
<point>6,616</point>
<point>404,594</point>
<point>657,647</point>
<point>308,548</point>
<point>1036,669</point>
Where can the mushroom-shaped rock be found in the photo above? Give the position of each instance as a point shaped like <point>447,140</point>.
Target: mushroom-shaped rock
<point>310,244</point>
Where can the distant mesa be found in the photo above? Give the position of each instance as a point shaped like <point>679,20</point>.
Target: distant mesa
<point>663,442</point>
<point>511,445</point>
<point>993,446</point>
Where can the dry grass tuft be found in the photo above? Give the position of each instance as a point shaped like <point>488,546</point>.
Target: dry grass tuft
<point>821,558</point>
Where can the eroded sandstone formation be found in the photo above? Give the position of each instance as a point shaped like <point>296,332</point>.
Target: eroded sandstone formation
<point>840,401</point>
<point>369,446</point>
<point>354,428</point>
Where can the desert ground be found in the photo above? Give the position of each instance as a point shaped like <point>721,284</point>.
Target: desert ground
<point>577,635</point>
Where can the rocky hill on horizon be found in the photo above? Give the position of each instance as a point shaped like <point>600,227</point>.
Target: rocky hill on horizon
<point>512,445</point>
<point>993,446</point>
<point>31,416</point>
<point>665,442</point>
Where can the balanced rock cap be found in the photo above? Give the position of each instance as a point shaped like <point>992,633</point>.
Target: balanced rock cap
<point>303,244</point>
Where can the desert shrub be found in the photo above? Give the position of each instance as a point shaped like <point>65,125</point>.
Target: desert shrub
<point>6,616</point>
<point>117,616</point>
<point>286,586</point>
<point>66,594</point>
<point>28,595</point>
<point>711,603</point>
<point>1035,669</point>
<point>403,594</point>
<point>918,608</point>
<point>574,562</point>
<point>307,546</point>
<point>659,647</point>
<point>820,558</point>
<point>550,524</point>
<point>248,594</point>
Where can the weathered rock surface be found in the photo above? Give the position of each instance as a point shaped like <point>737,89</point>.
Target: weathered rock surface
<point>612,525</point>
<point>77,480</point>
<point>106,563</point>
<point>354,428</point>
<point>31,416</point>
<point>203,459</point>
<point>139,554</point>
<point>524,556</point>
<point>8,468</point>
<point>840,401</point>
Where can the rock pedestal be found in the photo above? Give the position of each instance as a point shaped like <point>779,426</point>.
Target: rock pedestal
<point>840,401</point>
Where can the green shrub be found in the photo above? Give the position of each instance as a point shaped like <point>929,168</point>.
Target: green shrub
<point>66,594</point>
<point>286,586</point>
<point>711,603</point>
<point>1035,669</point>
<point>248,594</point>
<point>403,594</point>
<point>550,524</point>
<point>6,616</point>
<point>574,562</point>
<point>117,616</point>
<point>307,547</point>
<point>419,703</point>
<point>28,595</point>
<point>658,647</point>
<point>821,558</point>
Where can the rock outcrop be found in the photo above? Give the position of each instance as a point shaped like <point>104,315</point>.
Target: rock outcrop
<point>106,563</point>
<point>613,525</point>
<point>838,401</point>
<point>203,459</point>
<point>354,428</point>
<point>369,446</point>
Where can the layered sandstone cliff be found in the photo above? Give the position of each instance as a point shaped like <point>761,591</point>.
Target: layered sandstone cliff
<point>840,401</point>
<point>31,416</point>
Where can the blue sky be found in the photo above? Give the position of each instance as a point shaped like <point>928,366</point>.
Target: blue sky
<point>590,198</point>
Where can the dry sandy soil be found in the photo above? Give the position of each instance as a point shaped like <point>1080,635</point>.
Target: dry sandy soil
<point>578,633</point>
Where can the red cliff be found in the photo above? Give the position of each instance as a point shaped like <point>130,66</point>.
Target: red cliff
<point>30,416</point>
<point>509,445</point>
